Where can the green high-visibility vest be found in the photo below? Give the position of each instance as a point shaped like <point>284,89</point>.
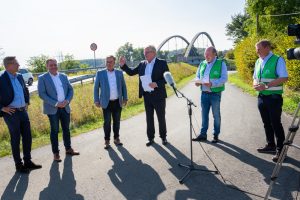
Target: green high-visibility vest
<point>268,74</point>
<point>215,73</point>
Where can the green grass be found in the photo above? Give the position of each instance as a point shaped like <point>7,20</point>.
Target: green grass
<point>291,98</point>
<point>85,116</point>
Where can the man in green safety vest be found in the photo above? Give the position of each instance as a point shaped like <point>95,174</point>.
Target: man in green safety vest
<point>269,75</point>
<point>211,76</point>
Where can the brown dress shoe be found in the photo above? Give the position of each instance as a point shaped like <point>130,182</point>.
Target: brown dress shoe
<point>71,152</point>
<point>56,157</point>
<point>118,142</point>
<point>106,144</point>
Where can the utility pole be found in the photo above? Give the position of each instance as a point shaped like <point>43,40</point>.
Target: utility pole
<point>257,24</point>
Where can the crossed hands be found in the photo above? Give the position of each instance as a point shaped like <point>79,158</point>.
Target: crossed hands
<point>62,104</point>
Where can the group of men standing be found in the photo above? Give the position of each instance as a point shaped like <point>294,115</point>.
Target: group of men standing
<point>110,94</point>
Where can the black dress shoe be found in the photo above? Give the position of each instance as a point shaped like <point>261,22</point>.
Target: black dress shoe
<point>199,138</point>
<point>30,165</point>
<point>20,168</point>
<point>149,143</point>
<point>215,140</point>
<point>164,141</point>
<point>267,149</point>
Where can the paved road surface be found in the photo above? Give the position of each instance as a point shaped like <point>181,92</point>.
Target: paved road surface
<point>137,172</point>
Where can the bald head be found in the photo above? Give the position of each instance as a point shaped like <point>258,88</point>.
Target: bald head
<point>210,54</point>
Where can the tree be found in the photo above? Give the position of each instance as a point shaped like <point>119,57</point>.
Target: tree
<point>236,29</point>
<point>126,50</point>
<point>38,63</point>
<point>265,9</point>
<point>138,54</point>
<point>163,54</point>
<point>69,63</point>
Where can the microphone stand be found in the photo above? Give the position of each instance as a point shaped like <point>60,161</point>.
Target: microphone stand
<point>191,167</point>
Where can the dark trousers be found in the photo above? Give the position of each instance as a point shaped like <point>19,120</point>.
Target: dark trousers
<point>270,108</point>
<point>113,110</point>
<point>159,105</point>
<point>64,118</point>
<point>19,125</point>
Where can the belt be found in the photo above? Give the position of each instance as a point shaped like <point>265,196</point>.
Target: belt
<point>113,100</point>
<point>21,109</point>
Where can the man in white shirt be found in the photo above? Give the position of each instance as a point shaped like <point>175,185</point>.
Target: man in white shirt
<point>56,92</point>
<point>110,94</point>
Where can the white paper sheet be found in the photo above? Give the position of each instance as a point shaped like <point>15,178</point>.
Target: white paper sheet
<point>146,80</point>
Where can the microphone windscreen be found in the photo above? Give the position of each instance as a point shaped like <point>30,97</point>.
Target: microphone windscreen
<point>169,79</point>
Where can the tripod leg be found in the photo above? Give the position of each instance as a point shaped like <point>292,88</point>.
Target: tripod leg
<point>277,169</point>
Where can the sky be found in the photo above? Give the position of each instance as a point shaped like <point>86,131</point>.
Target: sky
<point>34,27</point>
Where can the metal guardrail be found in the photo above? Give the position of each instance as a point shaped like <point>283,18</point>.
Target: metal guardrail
<point>82,78</point>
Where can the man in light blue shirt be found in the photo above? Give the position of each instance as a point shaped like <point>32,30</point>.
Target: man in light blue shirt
<point>14,99</point>
<point>211,76</point>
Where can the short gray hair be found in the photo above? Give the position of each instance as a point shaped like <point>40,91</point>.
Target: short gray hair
<point>264,43</point>
<point>7,60</point>
<point>151,47</point>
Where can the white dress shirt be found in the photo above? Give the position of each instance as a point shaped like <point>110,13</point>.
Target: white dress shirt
<point>58,87</point>
<point>149,67</point>
<point>112,81</point>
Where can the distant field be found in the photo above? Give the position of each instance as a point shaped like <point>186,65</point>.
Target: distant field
<point>85,116</point>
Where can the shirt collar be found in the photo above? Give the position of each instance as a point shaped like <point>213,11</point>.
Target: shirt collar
<point>110,71</point>
<point>54,76</point>
<point>152,61</point>
<point>11,75</point>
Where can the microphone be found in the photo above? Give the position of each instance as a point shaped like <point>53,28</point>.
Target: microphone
<point>169,79</point>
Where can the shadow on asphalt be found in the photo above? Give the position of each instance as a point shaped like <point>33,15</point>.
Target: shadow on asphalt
<point>63,187</point>
<point>284,187</point>
<point>133,178</point>
<point>16,187</point>
<point>201,185</point>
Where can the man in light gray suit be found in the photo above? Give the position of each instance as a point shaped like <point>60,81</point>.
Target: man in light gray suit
<point>56,92</point>
<point>110,94</point>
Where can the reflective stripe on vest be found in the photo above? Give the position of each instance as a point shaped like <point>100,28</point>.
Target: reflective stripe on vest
<point>215,73</point>
<point>268,74</point>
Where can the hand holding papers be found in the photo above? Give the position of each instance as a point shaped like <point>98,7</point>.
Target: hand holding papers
<point>146,80</point>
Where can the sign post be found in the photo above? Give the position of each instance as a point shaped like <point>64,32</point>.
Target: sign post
<point>93,47</point>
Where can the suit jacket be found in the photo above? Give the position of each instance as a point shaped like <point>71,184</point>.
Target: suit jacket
<point>7,91</point>
<point>159,68</point>
<point>102,83</point>
<point>48,94</point>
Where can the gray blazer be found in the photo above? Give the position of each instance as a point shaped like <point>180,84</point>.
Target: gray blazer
<point>47,92</point>
<point>102,85</point>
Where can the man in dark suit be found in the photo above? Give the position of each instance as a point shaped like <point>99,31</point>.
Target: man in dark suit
<point>14,100</point>
<point>155,97</point>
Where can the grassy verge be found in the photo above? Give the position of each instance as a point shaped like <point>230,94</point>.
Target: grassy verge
<point>290,98</point>
<point>85,116</point>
